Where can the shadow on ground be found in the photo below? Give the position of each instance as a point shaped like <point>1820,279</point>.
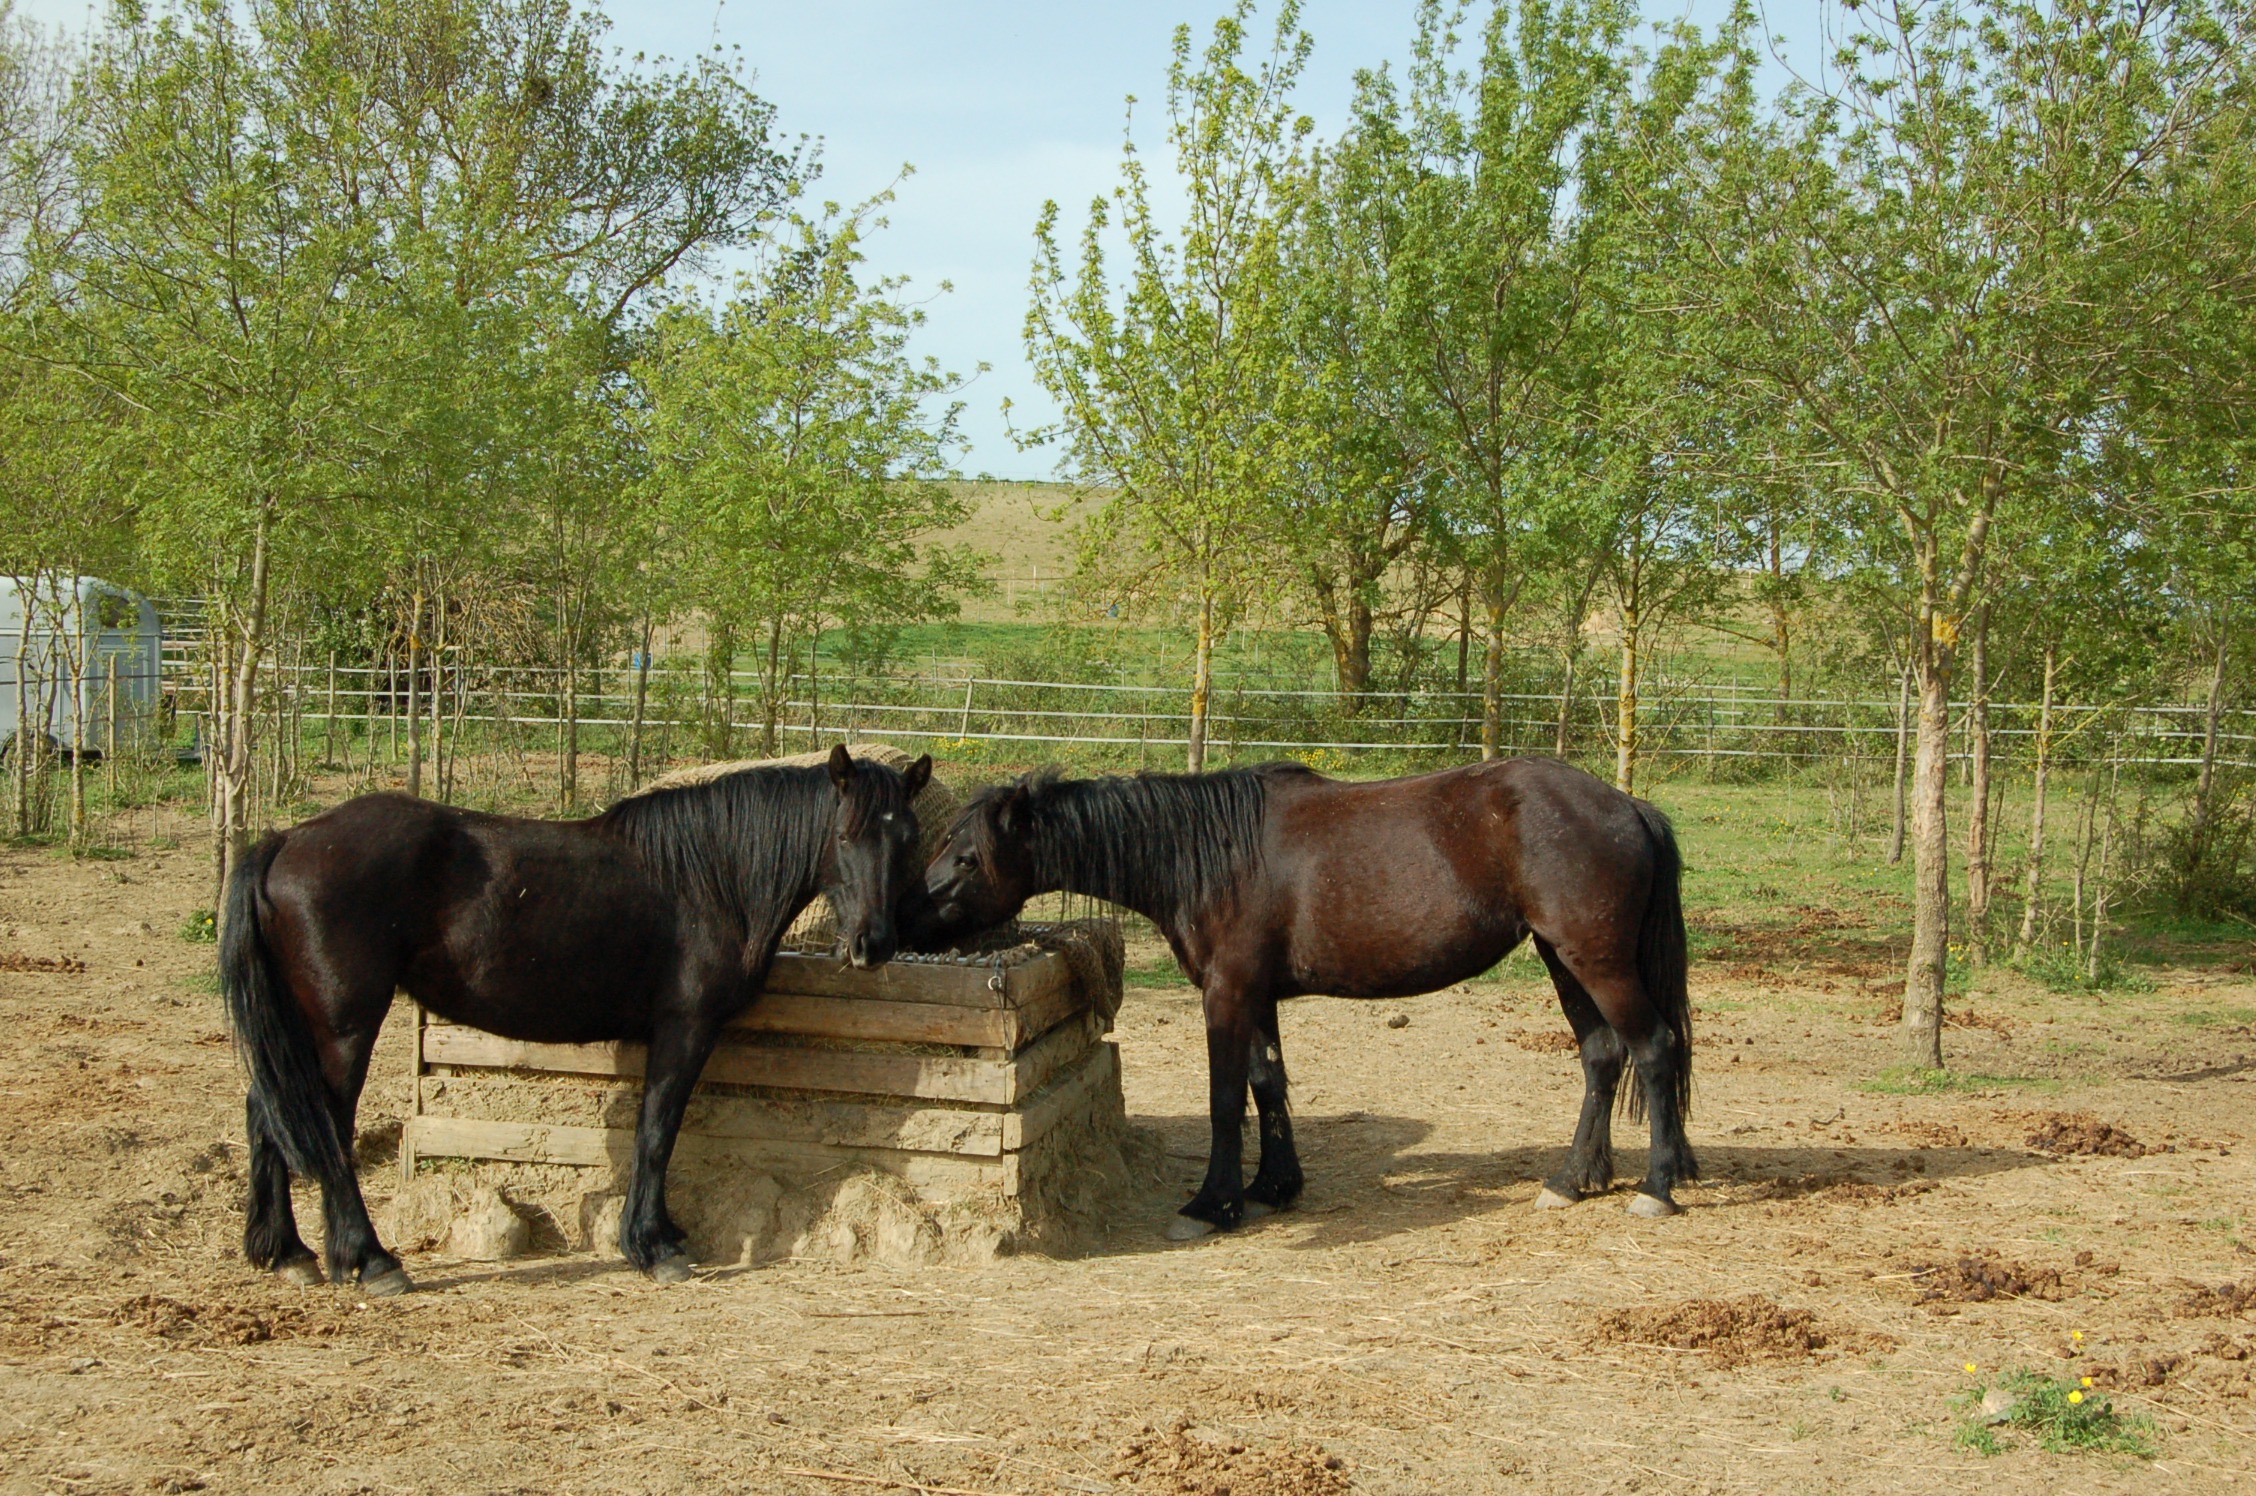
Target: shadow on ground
<point>1370,1178</point>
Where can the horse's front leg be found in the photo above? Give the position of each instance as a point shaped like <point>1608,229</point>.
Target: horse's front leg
<point>1277,1182</point>
<point>1230,1033</point>
<point>648,1237</point>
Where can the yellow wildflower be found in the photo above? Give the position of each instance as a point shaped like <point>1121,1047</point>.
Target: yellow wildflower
<point>1971,1368</point>
<point>2075,1397</point>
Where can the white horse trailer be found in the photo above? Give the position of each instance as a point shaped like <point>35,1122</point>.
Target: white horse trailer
<point>59,631</point>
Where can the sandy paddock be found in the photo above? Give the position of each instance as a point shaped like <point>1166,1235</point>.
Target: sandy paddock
<point>1415,1327</point>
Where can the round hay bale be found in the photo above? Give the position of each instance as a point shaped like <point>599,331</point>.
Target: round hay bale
<point>935,806</point>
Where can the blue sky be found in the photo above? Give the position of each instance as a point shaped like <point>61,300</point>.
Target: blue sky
<point>999,105</point>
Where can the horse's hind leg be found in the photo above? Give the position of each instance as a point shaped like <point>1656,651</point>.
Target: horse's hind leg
<point>1277,1182</point>
<point>1589,1168</point>
<point>270,1226</point>
<point>348,1235</point>
<point>1653,1047</point>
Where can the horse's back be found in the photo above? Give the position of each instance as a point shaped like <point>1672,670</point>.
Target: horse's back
<point>535,929</point>
<point>1395,886</point>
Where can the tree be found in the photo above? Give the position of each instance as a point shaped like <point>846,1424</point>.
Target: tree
<point>1168,388</point>
<point>797,458</point>
<point>1895,259</point>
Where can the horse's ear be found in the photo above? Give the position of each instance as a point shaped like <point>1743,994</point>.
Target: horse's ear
<point>1012,810</point>
<point>841,767</point>
<point>917,775</point>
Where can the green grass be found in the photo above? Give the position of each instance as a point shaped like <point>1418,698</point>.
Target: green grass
<point>2214,1017</point>
<point>1153,974</point>
<point>1910,1080</point>
<point>200,928</point>
<point>2064,1417</point>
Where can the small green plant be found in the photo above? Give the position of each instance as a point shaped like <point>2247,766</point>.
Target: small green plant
<point>200,928</point>
<point>1911,1080</point>
<point>2064,968</point>
<point>2067,1417</point>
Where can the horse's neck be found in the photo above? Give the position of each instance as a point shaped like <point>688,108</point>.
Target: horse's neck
<point>1120,858</point>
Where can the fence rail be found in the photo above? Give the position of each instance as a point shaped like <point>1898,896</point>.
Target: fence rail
<point>1679,719</point>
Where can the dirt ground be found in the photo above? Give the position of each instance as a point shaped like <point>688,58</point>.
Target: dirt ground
<point>1415,1326</point>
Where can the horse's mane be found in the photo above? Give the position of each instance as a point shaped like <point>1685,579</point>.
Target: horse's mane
<point>1161,843</point>
<point>748,842</point>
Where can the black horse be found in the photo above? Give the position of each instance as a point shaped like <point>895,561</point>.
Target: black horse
<point>654,921</point>
<point>1275,881</point>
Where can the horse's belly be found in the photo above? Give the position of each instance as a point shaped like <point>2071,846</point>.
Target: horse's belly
<point>530,974</point>
<point>1368,955</point>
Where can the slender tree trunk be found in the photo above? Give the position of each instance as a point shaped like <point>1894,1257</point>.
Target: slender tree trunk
<point>1930,934</point>
<point>1492,673</point>
<point>1202,683</point>
<point>1978,819</point>
<point>2087,825</point>
<point>1565,726</point>
<point>1903,759</point>
<point>2106,863</point>
<point>78,672</point>
<point>414,695</point>
<point>2032,901</point>
<point>814,686</point>
<point>1625,704</point>
<point>1464,632</point>
<point>437,693</point>
<point>19,761</point>
<point>1781,634</point>
<point>775,685</point>
<point>641,702</point>
<point>236,771</point>
<point>2205,786</point>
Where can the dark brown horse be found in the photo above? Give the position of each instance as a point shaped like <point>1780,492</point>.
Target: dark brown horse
<point>654,921</point>
<point>1275,881</point>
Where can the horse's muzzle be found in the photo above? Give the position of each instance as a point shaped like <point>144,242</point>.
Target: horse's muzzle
<point>867,948</point>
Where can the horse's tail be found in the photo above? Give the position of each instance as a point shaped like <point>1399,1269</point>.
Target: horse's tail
<point>289,1101</point>
<point>1662,963</point>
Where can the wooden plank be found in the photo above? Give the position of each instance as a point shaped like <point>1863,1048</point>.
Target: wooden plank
<point>926,1077</point>
<point>921,982</point>
<point>1047,1056</point>
<point>938,1177</point>
<point>876,1019</point>
<point>1064,1097</point>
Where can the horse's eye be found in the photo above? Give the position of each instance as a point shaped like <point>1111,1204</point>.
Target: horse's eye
<point>965,862</point>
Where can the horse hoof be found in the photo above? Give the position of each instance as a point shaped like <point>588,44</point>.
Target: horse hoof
<point>387,1285</point>
<point>1189,1228</point>
<point>304,1272</point>
<point>1551,1199</point>
<point>1652,1207</point>
<point>1255,1210</point>
<point>672,1270</point>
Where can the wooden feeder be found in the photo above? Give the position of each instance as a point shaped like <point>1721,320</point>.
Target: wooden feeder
<point>974,1087</point>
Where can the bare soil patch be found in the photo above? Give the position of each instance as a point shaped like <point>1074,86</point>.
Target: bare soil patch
<point>1977,1279</point>
<point>1729,1332</point>
<point>1186,1460</point>
<point>2083,1134</point>
<point>2222,1302</point>
<point>58,965</point>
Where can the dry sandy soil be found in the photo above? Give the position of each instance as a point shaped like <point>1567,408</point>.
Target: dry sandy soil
<point>1414,1327</point>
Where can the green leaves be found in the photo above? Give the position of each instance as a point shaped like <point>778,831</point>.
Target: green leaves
<point>796,453</point>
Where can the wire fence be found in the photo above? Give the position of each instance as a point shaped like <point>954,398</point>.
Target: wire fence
<point>675,712</point>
